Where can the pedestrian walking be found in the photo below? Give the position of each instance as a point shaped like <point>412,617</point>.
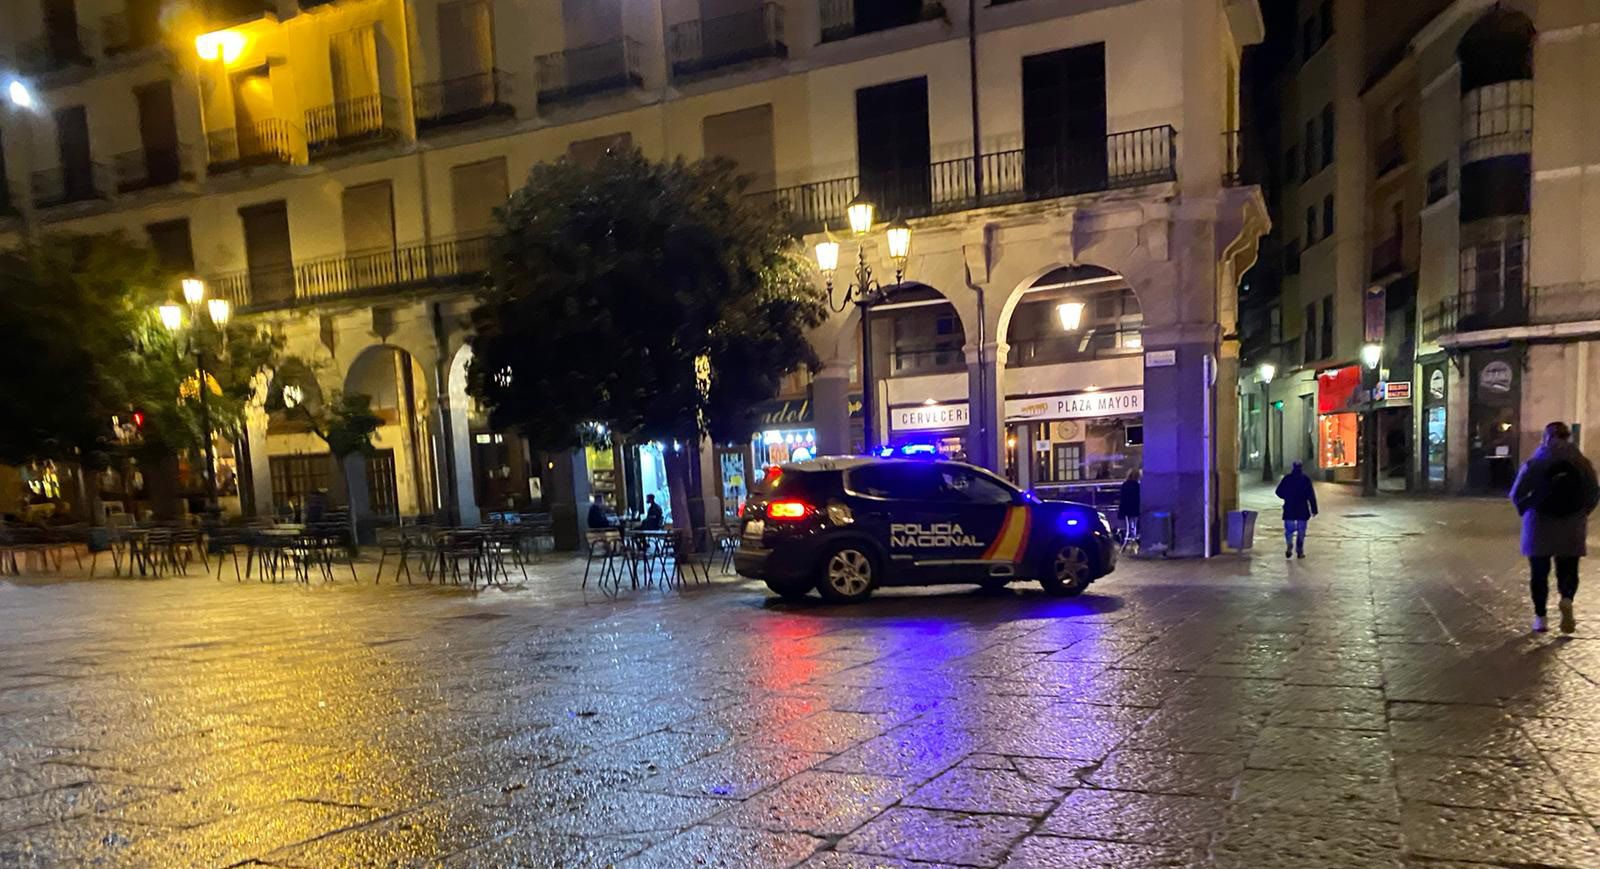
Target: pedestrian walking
<point>1299,505</point>
<point>1554,494</point>
<point>1128,507</point>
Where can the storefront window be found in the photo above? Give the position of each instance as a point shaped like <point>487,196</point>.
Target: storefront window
<point>777,446</point>
<point>1086,450</point>
<point>1338,442</point>
<point>603,476</point>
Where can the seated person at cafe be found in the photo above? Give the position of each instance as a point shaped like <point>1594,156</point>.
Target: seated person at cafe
<point>598,517</point>
<point>653,520</point>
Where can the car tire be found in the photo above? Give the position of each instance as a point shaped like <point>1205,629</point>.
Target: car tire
<point>848,573</point>
<point>789,592</point>
<point>1068,572</point>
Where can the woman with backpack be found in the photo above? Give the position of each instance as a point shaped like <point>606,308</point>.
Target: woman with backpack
<point>1554,493</point>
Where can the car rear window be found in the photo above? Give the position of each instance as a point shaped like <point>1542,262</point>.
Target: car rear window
<point>790,484</point>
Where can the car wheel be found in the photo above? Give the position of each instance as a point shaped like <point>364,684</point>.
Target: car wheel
<point>1069,573</point>
<point>789,592</point>
<point>848,574</point>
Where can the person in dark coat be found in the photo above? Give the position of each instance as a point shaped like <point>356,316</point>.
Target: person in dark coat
<point>1128,506</point>
<point>653,520</point>
<point>598,517</point>
<point>1554,493</point>
<point>1299,505</point>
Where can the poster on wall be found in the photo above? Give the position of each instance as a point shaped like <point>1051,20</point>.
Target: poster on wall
<point>1337,448</point>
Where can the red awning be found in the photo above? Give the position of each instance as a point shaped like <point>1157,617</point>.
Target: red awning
<point>1336,389</point>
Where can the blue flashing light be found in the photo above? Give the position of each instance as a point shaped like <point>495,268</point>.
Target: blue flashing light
<point>1072,522</point>
<point>917,450</point>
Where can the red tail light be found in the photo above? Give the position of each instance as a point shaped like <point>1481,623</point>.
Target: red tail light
<point>788,509</point>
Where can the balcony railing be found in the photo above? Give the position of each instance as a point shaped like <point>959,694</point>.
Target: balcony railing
<point>260,144</point>
<point>1386,258</point>
<point>592,69</point>
<point>1128,159</point>
<point>61,186</point>
<point>121,33</point>
<point>840,21</point>
<point>455,261</point>
<point>1388,156</point>
<point>711,43</point>
<point>151,167</point>
<point>349,123</point>
<point>54,52</point>
<point>462,99</point>
<point>912,361</point>
<point>1232,159</point>
<point>1548,305</point>
<point>1106,341</point>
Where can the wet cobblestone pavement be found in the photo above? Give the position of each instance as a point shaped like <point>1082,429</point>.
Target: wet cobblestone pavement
<point>1379,704</point>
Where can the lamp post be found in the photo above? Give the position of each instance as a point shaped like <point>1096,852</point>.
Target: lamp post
<point>1371,359</point>
<point>218,311</point>
<point>865,292</point>
<point>1266,372</point>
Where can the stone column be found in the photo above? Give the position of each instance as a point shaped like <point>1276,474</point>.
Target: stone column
<point>830,404</point>
<point>1180,412</point>
<point>986,405</point>
<point>255,431</point>
<point>451,430</point>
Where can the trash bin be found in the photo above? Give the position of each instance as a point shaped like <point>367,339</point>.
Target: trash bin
<point>1155,533</point>
<point>1242,529</point>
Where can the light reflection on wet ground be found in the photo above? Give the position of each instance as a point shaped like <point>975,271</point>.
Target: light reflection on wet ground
<point>1376,705</point>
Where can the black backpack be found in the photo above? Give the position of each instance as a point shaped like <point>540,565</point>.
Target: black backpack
<point>1561,492</point>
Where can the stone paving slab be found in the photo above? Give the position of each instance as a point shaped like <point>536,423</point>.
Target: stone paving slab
<point>1377,704</point>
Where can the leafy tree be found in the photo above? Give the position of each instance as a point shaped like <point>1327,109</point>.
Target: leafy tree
<point>653,298</point>
<point>79,311</point>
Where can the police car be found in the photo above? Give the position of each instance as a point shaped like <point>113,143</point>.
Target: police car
<point>846,526</point>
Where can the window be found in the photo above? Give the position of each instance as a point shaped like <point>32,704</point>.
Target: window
<point>1327,215</point>
<point>1311,226</point>
<point>1311,147</point>
<point>910,482</point>
<point>970,487</point>
<point>1327,326</point>
<point>1068,462</point>
<point>1493,274</point>
<point>476,190</point>
<point>1311,334</point>
<point>295,477</point>
<point>1327,135</point>
<point>1325,19</point>
<point>1291,257</point>
<point>170,240</point>
<point>893,148</point>
<point>746,138</point>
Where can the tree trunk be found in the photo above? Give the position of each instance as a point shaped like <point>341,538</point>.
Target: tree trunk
<point>679,480</point>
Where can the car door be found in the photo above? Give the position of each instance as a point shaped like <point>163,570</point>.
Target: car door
<point>896,503</point>
<point>985,523</point>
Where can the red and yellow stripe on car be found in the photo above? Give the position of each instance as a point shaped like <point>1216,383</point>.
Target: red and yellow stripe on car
<point>1012,541</point>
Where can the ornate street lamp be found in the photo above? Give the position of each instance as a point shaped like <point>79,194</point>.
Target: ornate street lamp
<point>1266,372</point>
<point>864,292</point>
<point>218,311</point>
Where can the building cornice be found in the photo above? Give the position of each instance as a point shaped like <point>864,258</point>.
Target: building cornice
<point>1442,22</point>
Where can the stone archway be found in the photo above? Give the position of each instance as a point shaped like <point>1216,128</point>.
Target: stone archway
<point>1070,372</point>
<point>402,470</point>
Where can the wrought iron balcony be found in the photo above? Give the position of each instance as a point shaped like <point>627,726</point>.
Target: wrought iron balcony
<point>706,44</point>
<point>841,19</point>
<point>1388,156</point>
<point>462,99</point>
<point>54,52</point>
<point>351,123</point>
<point>592,69</point>
<point>260,144</point>
<point>1129,159</point>
<point>1386,258</point>
<point>1549,305</point>
<point>449,263</point>
<point>152,167</point>
<point>122,33</point>
<point>62,186</point>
